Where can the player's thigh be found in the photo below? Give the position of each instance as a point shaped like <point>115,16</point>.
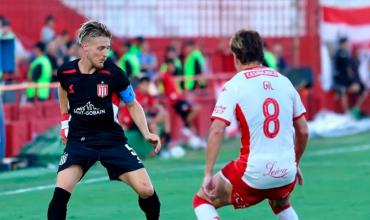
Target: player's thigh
<point>223,192</point>
<point>69,177</point>
<point>140,181</point>
<point>74,163</point>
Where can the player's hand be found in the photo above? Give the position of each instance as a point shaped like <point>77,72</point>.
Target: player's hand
<point>299,176</point>
<point>209,186</point>
<point>155,140</point>
<point>63,135</point>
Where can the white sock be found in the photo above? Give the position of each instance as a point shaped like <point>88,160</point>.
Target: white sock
<point>288,214</point>
<point>206,212</point>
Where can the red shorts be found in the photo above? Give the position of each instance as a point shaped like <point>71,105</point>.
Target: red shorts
<point>243,196</point>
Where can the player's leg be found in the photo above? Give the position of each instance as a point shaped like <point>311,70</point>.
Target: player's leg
<point>279,200</point>
<point>74,163</point>
<point>283,209</point>
<point>205,207</point>
<point>148,200</point>
<point>66,181</point>
<point>123,164</point>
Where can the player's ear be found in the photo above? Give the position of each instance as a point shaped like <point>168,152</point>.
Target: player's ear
<point>84,46</point>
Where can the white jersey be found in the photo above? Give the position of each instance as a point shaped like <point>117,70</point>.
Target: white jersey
<point>265,103</point>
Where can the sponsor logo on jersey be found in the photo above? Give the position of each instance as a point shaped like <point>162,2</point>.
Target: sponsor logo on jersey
<point>256,73</point>
<point>219,109</point>
<point>88,109</point>
<point>102,90</point>
<point>63,159</point>
<point>274,171</point>
<point>71,90</point>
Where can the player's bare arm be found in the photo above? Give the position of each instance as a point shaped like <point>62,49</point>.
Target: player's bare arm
<point>138,116</point>
<point>215,138</point>
<point>301,136</point>
<point>63,104</point>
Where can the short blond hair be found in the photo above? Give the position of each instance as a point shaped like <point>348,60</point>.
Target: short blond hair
<point>91,29</point>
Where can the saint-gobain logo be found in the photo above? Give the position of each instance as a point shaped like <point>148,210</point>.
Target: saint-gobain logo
<point>88,109</point>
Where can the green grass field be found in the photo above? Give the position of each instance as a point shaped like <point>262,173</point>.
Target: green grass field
<point>336,186</point>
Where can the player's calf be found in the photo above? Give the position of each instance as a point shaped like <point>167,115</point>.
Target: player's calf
<point>151,206</point>
<point>204,210</point>
<point>58,205</point>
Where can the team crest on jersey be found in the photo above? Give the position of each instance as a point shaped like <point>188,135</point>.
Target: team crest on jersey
<point>102,90</point>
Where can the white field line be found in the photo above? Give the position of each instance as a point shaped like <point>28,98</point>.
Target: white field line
<point>317,153</point>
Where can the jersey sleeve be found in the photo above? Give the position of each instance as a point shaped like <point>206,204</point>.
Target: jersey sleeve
<point>298,108</point>
<point>225,105</point>
<point>120,81</point>
<point>61,78</point>
<point>122,86</point>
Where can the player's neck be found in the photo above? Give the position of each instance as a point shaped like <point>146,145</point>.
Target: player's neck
<point>248,66</point>
<point>85,66</point>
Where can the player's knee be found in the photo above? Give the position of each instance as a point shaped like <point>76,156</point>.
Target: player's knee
<point>146,191</point>
<point>279,205</point>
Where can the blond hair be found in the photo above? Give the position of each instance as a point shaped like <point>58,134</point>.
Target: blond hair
<point>91,29</point>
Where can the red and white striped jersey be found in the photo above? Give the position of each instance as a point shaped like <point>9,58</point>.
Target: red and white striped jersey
<point>265,103</point>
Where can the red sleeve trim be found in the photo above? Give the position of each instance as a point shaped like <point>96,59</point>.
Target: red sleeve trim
<point>221,119</point>
<point>299,116</point>
<point>70,71</point>
<point>104,72</point>
<point>64,117</point>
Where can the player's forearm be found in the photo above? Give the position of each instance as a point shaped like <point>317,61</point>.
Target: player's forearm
<point>301,137</point>
<point>300,146</point>
<point>215,138</point>
<point>63,100</point>
<point>138,116</point>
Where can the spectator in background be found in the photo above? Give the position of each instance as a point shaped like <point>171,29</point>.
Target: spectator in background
<point>2,125</point>
<point>148,60</point>
<point>6,31</point>
<point>2,119</point>
<point>157,115</point>
<point>129,61</point>
<point>72,51</point>
<point>194,65</point>
<point>47,31</point>
<point>281,64</point>
<point>269,58</point>
<point>172,54</point>
<point>55,57</point>
<point>346,79</point>
<point>186,110</point>
<point>137,46</point>
<point>40,71</point>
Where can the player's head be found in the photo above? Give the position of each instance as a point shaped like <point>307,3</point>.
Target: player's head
<point>247,48</point>
<point>95,41</point>
<point>144,84</point>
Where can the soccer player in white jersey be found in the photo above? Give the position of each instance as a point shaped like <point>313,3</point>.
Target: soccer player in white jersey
<point>274,136</point>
